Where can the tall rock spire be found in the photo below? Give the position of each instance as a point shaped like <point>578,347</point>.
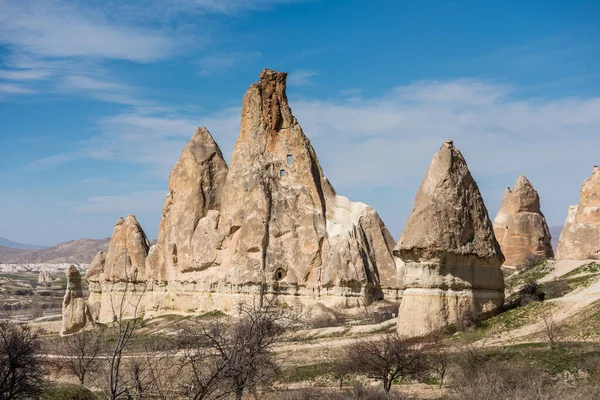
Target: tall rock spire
<point>270,223</point>
<point>452,257</point>
<point>521,228</point>
<point>113,277</point>
<point>580,236</point>
<point>191,209</point>
<point>76,315</point>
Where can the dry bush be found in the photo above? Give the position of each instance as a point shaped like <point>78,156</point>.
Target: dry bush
<point>556,288</point>
<point>78,353</point>
<point>327,320</point>
<point>21,369</point>
<point>552,329</point>
<point>232,359</point>
<point>358,392</point>
<point>386,312</point>
<point>387,358</point>
<point>509,381</point>
<point>529,293</point>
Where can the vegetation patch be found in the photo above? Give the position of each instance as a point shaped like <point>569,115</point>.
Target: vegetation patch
<point>69,392</point>
<point>590,268</point>
<point>534,273</point>
<point>570,356</point>
<point>585,325</point>
<point>516,317</point>
<point>310,372</point>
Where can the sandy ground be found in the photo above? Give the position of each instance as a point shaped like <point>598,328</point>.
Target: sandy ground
<point>564,307</point>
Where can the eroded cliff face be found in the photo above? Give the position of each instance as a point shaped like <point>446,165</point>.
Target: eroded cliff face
<point>580,236</point>
<point>268,223</point>
<point>452,259</point>
<point>116,278</point>
<point>521,228</point>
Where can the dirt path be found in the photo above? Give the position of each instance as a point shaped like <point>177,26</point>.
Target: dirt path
<point>564,307</point>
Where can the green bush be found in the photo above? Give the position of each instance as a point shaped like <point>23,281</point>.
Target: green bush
<point>69,392</point>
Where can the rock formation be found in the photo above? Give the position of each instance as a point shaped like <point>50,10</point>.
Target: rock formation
<point>270,223</point>
<point>44,277</point>
<point>116,278</point>
<point>520,227</point>
<point>75,312</point>
<point>580,236</point>
<point>452,259</point>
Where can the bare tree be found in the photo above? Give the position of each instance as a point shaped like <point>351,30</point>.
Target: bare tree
<point>387,358</point>
<point>438,362</point>
<point>225,359</point>
<point>21,369</point>
<point>341,369</point>
<point>552,330</point>
<point>116,382</point>
<point>79,353</point>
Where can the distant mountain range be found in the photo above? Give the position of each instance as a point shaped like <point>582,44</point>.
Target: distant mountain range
<point>80,251</point>
<point>555,233</point>
<point>14,245</point>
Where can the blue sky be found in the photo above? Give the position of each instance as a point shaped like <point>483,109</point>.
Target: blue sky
<point>98,98</point>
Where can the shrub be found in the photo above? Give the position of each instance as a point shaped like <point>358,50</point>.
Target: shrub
<point>68,392</point>
<point>556,288</point>
<point>503,380</point>
<point>327,320</point>
<point>21,368</point>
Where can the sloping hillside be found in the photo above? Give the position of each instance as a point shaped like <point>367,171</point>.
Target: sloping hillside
<point>80,251</point>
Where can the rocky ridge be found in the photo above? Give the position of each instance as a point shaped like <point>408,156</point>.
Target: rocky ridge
<point>520,226</point>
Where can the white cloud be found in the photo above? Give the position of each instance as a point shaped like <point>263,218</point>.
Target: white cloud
<point>377,150</point>
<point>57,29</point>
<point>50,162</point>
<point>12,89</point>
<point>103,90</point>
<point>301,77</point>
<point>23,75</point>
<point>215,63</point>
<point>140,201</point>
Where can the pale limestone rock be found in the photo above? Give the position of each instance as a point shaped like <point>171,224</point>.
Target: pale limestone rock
<point>44,277</point>
<point>521,228</point>
<point>116,278</point>
<point>270,223</point>
<point>75,312</point>
<point>580,236</point>
<point>190,212</point>
<point>452,259</point>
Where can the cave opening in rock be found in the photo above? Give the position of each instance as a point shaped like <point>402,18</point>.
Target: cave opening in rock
<point>282,172</point>
<point>174,255</point>
<point>290,159</point>
<point>279,274</point>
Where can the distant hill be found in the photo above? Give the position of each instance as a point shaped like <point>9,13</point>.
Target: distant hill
<point>555,233</point>
<point>14,245</point>
<point>80,251</point>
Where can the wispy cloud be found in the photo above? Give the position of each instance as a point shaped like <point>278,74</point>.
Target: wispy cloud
<point>61,29</point>
<point>53,161</point>
<point>23,75</point>
<point>301,77</point>
<point>215,63</point>
<point>104,90</point>
<point>140,201</point>
<point>387,142</point>
<point>11,88</point>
